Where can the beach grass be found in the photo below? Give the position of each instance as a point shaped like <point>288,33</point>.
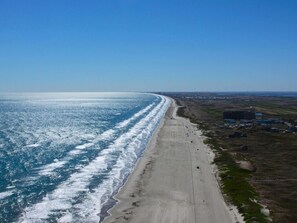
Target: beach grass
<point>234,184</point>
<point>272,155</point>
<point>233,180</point>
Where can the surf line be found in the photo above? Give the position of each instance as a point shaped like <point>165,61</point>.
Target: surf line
<point>107,135</point>
<point>61,197</point>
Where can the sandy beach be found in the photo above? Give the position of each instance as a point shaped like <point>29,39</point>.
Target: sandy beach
<point>174,181</point>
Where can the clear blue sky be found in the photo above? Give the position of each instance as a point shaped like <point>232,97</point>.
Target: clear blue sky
<point>148,45</point>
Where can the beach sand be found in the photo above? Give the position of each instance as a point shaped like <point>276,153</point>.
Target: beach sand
<point>174,181</point>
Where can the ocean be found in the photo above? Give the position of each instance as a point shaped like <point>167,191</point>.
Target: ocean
<point>64,155</point>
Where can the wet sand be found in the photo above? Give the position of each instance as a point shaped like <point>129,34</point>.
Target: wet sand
<point>174,181</point>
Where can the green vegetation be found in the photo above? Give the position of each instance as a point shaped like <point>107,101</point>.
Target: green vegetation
<point>214,112</point>
<point>181,111</point>
<point>276,110</point>
<point>234,184</point>
<point>233,180</point>
<point>272,155</point>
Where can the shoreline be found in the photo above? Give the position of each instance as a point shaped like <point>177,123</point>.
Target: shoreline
<point>167,183</point>
<point>115,200</point>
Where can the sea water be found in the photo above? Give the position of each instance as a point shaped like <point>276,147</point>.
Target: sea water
<point>64,155</point>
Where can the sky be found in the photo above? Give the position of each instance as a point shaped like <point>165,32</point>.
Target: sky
<point>148,45</point>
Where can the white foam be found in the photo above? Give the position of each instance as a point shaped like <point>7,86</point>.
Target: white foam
<point>66,218</point>
<point>74,152</point>
<point>47,169</point>
<point>33,145</point>
<point>62,197</point>
<point>84,146</point>
<point>92,205</point>
<point>88,136</point>
<point>126,122</point>
<point>107,135</point>
<point>6,194</point>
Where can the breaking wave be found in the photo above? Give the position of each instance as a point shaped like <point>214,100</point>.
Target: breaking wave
<point>72,163</point>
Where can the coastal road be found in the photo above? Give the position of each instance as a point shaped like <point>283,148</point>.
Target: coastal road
<point>174,180</point>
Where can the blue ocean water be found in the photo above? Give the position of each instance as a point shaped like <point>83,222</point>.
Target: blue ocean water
<point>64,155</point>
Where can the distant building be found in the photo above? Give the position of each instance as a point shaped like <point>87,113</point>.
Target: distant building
<point>230,121</point>
<point>258,115</point>
<point>238,115</point>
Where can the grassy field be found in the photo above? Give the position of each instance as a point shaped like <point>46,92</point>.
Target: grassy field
<point>272,154</point>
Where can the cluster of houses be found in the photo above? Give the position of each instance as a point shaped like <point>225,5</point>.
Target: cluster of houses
<point>249,118</point>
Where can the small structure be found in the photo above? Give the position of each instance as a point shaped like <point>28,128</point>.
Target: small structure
<point>230,121</point>
<point>238,115</point>
<point>259,115</point>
